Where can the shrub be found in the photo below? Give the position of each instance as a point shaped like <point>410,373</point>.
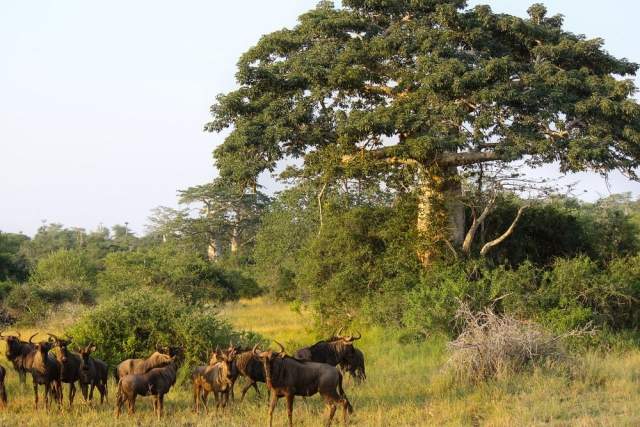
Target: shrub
<point>129,324</point>
<point>172,267</point>
<point>576,291</point>
<point>26,303</point>
<point>64,265</point>
<point>123,270</point>
<point>132,323</point>
<point>493,345</point>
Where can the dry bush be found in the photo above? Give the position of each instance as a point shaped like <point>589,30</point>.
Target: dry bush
<point>493,345</point>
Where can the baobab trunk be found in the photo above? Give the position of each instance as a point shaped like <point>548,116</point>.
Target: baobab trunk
<point>441,219</point>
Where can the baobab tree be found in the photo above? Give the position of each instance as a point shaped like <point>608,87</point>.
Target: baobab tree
<point>427,87</point>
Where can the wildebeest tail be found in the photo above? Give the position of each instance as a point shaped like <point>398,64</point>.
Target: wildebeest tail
<point>119,390</point>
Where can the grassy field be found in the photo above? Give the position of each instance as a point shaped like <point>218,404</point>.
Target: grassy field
<point>406,386</point>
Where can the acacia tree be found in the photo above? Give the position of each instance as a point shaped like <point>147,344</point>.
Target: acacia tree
<point>429,86</point>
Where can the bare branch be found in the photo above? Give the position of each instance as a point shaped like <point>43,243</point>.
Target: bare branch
<point>320,194</point>
<point>477,222</point>
<point>504,235</point>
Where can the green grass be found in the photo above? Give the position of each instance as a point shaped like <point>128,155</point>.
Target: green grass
<point>406,386</point>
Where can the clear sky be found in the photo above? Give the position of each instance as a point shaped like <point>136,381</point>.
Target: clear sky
<point>102,104</point>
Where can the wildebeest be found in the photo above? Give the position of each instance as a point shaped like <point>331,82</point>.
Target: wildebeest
<point>93,373</point>
<point>3,390</point>
<point>69,363</point>
<point>18,352</point>
<point>355,366</point>
<point>289,377</point>
<point>45,370</point>
<point>157,382</point>
<point>248,365</point>
<point>140,366</point>
<point>337,350</point>
<point>214,378</point>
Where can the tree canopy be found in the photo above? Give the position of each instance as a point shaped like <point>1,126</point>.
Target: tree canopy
<point>379,87</point>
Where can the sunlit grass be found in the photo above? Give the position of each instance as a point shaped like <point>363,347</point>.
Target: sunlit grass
<point>406,386</point>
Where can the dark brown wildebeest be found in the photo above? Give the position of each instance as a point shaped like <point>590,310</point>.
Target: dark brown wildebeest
<point>45,370</point>
<point>289,377</point>
<point>214,378</point>
<point>157,382</point>
<point>337,350</point>
<point>141,366</point>
<point>3,390</point>
<point>69,363</point>
<point>93,373</point>
<point>248,365</point>
<point>355,366</point>
<point>17,353</point>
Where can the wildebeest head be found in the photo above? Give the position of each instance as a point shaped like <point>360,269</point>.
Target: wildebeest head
<point>85,356</point>
<point>268,358</point>
<point>173,351</point>
<point>14,345</point>
<point>61,345</point>
<point>42,347</point>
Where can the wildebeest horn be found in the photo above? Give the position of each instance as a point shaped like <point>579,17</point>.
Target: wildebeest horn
<point>339,331</point>
<point>255,347</point>
<point>281,346</point>
<point>53,336</point>
<point>31,337</point>
<point>358,337</point>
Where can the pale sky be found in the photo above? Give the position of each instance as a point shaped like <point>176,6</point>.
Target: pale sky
<point>102,104</point>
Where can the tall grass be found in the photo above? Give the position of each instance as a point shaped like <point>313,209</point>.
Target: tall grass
<point>406,386</point>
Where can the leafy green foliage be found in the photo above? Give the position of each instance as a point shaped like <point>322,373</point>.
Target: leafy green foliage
<point>64,265</point>
<point>13,264</point>
<point>132,323</point>
<point>176,268</point>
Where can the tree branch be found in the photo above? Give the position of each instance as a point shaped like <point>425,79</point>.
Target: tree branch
<point>320,206</point>
<point>504,235</point>
<point>477,222</point>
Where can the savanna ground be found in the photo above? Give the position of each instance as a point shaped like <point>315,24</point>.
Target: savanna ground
<point>406,386</point>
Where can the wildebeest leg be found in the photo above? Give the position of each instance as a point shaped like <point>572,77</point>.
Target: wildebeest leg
<point>160,405</point>
<point>345,411</point>
<point>23,377</point>
<point>246,388</point>
<point>102,391</point>
<point>84,391</point>
<point>47,390</point>
<point>196,399</point>
<point>35,391</point>
<point>131,404</point>
<point>72,393</point>
<point>91,388</point>
<point>204,395</point>
<point>290,398</point>
<point>272,406</point>
<point>3,395</point>
<point>156,404</point>
<point>332,410</point>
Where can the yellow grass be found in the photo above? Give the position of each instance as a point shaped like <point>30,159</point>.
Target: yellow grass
<point>405,387</point>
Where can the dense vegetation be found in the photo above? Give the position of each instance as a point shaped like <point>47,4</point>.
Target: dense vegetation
<point>404,127</point>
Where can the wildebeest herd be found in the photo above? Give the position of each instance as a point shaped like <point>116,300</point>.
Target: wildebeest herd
<point>315,369</point>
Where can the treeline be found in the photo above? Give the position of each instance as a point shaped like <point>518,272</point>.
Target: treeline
<point>348,252</point>
<point>566,264</point>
